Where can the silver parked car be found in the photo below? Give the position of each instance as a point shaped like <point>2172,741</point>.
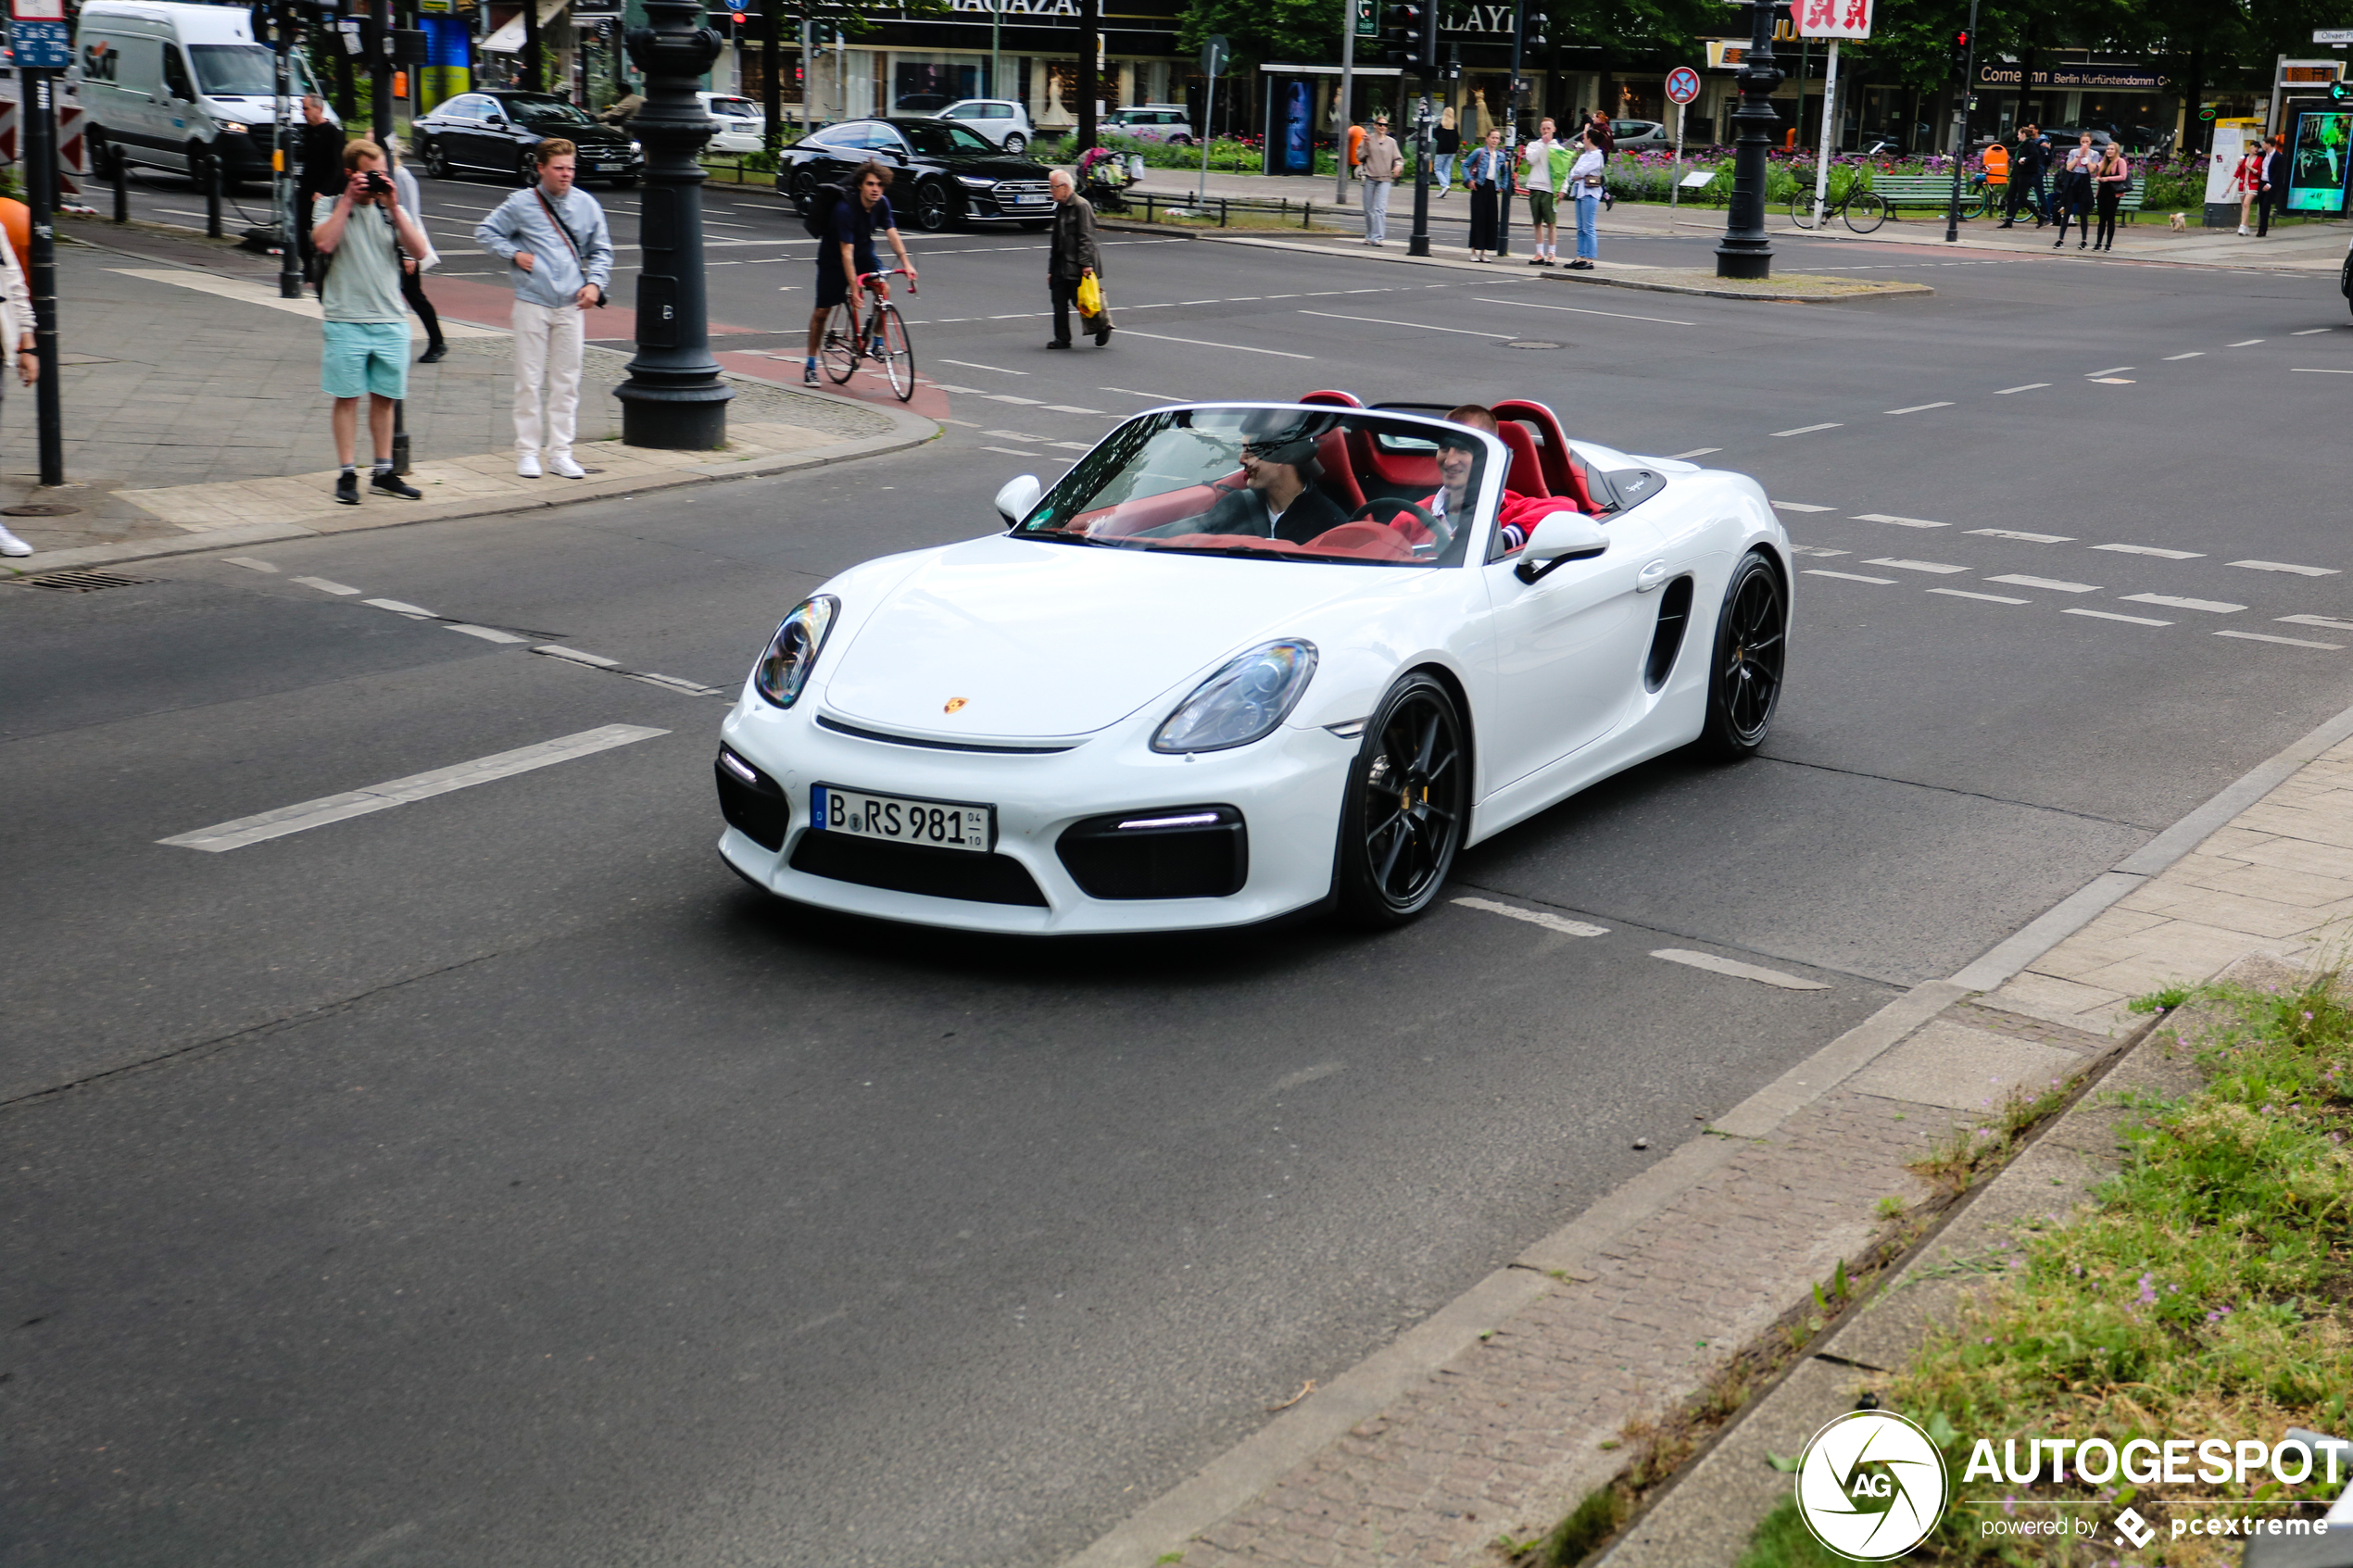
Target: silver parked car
<point>1641,135</point>
<point>1004,122</point>
<point>1172,123</point>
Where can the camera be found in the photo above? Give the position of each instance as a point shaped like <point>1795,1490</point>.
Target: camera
<point>379,183</point>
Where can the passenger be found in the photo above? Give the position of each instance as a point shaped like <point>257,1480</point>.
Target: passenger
<point>1280,498</point>
<point>1450,503</point>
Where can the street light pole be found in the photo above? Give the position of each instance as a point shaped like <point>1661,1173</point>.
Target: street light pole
<point>41,189</point>
<point>1960,125</point>
<point>673,397</point>
<point>1342,121</point>
<point>1511,139</point>
<point>1745,251</point>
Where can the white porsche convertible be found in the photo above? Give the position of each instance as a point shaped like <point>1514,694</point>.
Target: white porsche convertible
<point>1248,659</point>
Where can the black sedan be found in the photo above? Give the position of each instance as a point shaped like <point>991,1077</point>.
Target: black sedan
<point>494,132</point>
<point>943,173</point>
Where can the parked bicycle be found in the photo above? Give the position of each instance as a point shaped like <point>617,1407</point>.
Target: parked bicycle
<point>884,339</point>
<point>1862,209</point>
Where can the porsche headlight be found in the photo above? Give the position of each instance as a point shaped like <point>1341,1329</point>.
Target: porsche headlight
<point>792,653</point>
<point>1242,702</point>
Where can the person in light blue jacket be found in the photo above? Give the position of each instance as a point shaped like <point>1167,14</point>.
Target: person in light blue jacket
<point>559,254</point>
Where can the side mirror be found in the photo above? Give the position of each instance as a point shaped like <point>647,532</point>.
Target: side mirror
<point>1562,536</point>
<point>1018,497</point>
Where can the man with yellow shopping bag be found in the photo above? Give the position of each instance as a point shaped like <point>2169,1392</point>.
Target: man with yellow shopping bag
<point>1074,265</point>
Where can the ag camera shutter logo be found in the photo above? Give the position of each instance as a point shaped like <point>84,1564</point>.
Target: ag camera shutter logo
<point>1872,1486</point>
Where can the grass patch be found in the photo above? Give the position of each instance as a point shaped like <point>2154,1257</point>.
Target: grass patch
<point>2209,1292</point>
<point>1783,1541</point>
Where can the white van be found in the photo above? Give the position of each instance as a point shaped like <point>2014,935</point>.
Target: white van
<point>168,85</point>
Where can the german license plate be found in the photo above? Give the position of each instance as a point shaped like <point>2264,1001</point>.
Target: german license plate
<point>937,824</point>
<point>1031,201</point>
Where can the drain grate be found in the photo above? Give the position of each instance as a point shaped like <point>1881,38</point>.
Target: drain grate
<point>40,509</point>
<point>81,582</point>
<point>1533,343</point>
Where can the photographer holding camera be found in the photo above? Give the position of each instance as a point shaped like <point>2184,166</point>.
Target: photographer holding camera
<point>360,236</point>
<point>554,237</point>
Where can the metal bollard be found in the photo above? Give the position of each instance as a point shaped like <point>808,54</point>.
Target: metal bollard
<point>212,198</point>
<point>122,188</point>
<point>400,437</point>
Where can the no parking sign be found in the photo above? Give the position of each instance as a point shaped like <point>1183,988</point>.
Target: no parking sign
<point>1683,85</point>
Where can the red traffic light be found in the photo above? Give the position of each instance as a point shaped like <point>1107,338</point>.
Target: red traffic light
<point>1960,39</point>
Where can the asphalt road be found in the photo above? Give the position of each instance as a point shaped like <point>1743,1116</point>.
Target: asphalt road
<point>494,1178</point>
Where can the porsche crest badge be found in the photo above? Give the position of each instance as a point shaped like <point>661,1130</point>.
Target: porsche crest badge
<point>955,704</point>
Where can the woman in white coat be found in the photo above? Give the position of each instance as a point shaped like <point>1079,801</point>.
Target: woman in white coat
<point>16,336</point>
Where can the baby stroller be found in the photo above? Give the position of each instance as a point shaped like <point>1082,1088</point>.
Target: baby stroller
<point>1103,175</point>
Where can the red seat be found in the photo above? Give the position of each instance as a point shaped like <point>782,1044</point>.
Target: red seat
<point>1525,476</point>
<point>1333,399</point>
<point>1340,474</point>
<point>1564,470</point>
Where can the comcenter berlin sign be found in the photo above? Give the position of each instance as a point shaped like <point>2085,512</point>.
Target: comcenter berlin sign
<point>2113,79</point>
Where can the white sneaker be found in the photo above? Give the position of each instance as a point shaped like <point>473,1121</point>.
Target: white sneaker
<point>562,467</point>
<point>12,546</point>
<point>2242,230</point>
<point>527,465</point>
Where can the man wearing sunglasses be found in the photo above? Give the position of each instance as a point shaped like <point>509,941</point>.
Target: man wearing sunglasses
<point>1280,498</point>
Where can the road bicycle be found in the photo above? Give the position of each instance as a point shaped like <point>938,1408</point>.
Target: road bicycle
<point>884,339</point>
<point>1863,208</point>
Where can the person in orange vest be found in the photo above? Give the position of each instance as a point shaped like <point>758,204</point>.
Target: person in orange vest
<point>1355,147</point>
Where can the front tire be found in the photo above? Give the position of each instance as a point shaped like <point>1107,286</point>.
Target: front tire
<point>804,190</point>
<point>437,162</point>
<point>1408,797</point>
<point>527,170</point>
<point>1016,144</point>
<point>1751,652</point>
<point>934,208</point>
<point>1801,209</point>
<point>898,353</point>
<point>838,350</point>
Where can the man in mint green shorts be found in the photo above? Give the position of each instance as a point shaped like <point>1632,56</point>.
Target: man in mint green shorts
<point>360,236</point>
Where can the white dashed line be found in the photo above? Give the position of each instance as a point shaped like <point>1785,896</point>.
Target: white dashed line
<point>322,584</point>
<point>1536,917</point>
<point>1849,576</point>
<point>400,792</point>
<point>1010,451</point>
<point>1737,969</point>
<point>2173,601</point>
<point>2113,380</point>
<point>2309,371</point>
<point>2030,386</point>
<point>2152,550</point>
<point>1228,347</point>
<point>968,365</point>
<point>1898,521</point>
<point>2110,615</point>
<point>2193,354</point>
<point>2291,642</point>
<point>573,656</point>
<point>1425,326</point>
<point>1989,598</point>
<point>250,564</point>
<point>487,633</point>
<point>1818,550</point>
<point>1581,310</point>
<point>1804,430</point>
<point>2309,330</point>
<point>2029,538</point>
<point>1937,566</point>
<point>2243,342</point>
<point>1131,392</point>
<point>1918,408</point>
<point>1797,506</point>
<point>1697,452</point>
<point>2052,584</point>
<point>1069,409</point>
<point>2111,370</point>
<point>2286,566</point>
<point>2329,621</point>
<point>1009,397</point>
<point>415,612</point>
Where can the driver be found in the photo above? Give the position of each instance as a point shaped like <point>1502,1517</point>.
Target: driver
<point>1280,498</point>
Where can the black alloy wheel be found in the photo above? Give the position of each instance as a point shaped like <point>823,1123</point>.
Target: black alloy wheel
<point>804,189</point>
<point>527,168</point>
<point>437,162</point>
<point>1751,649</point>
<point>1408,795</point>
<point>934,207</point>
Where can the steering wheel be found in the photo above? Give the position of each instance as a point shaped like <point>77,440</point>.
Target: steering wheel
<point>1437,528</point>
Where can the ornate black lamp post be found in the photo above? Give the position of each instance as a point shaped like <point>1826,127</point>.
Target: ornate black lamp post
<point>673,397</point>
<point>1745,252</point>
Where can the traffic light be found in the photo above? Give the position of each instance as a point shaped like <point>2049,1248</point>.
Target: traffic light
<point>2340,90</point>
<point>1538,37</point>
<point>1425,52</point>
<point>1960,49</point>
<point>1402,29</point>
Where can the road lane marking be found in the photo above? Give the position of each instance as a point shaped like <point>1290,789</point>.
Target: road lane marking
<point>414,612</point>
<point>2030,386</point>
<point>2193,354</point>
<point>400,792</point>
<point>1581,310</point>
<point>1010,451</point>
<point>1798,506</point>
<point>2243,342</point>
<point>1937,566</point>
<point>1155,396</point>
<point>1425,326</point>
<point>2151,550</point>
<point>2309,371</point>
<point>251,565</point>
<point>1737,969</point>
<point>2174,601</point>
<point>1918,408</point>
<point>2111,615</point>
<point>1536,917</point>
<point>2113,380</point>
<point>2111,370</point>
<point>322,584</point>
<point>2291,642</point>
<point>1818,550</point>
<point>487,633</point>
<point>2331,623</point>
<point>1849,576</point>
<point>1070,408</point>
<point>2287,566</point>
<point>2029,538</point>
<point>1009,397</point>
<point>1228,347</point>
<point>968,365</point>
<point>1695,452</point>
<point>1989,598</point>
<point>1806,430</point>
<point>2309,330</point>
<point>1898,521</point>
<point>557,650</point>
<point>2053,584</point>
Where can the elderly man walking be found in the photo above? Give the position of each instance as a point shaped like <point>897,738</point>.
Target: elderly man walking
<point>1071,258</point>
<point>362,231</point>
<point>554,239</point>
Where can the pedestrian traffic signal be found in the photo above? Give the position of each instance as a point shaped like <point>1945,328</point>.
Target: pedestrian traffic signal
<point>1401,27</point>
<point>1960,49</point>
<point>2340,91</point>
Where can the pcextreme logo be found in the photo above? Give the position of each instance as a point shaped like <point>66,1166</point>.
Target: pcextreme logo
<point>1870,1486</point>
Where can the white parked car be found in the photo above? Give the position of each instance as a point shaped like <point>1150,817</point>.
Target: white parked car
<point>740,123</point>
<point>1247,659</point>
<point>1000,120</point>
<point>1172,123</point>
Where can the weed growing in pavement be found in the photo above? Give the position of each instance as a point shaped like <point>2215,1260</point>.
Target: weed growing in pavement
<point>2209,1292</point>
<point>1962,1155</point>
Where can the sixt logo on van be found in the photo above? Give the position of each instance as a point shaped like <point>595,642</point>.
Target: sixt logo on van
<point>99,61</point>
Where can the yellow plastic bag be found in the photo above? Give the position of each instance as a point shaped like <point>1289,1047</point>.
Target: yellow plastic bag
<point>1091,296</point>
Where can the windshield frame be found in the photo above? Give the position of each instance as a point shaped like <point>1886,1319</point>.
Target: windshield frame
<point>1470,547</point>
<point>528,109</point>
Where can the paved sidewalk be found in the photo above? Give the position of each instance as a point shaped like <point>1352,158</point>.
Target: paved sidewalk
<point>194,416</point>
<point>1491,1419</point>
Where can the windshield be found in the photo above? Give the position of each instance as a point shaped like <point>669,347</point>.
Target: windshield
<point>1327,485</point>
<point>737,108</point>
<point>534,108</point>
<point>241,71</point>
<point>937,138</point>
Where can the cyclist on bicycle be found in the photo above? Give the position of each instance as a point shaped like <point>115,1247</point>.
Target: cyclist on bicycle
<point>848,253</point>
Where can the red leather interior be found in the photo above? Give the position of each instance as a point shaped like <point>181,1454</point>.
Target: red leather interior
<point>1375,540</point>
<point>1564,470</point>
<point>1226,542</point>
<point>1339,477</point>
<point>1333,399</point>
<point>1526,474</point>
<point>1151,511</point>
